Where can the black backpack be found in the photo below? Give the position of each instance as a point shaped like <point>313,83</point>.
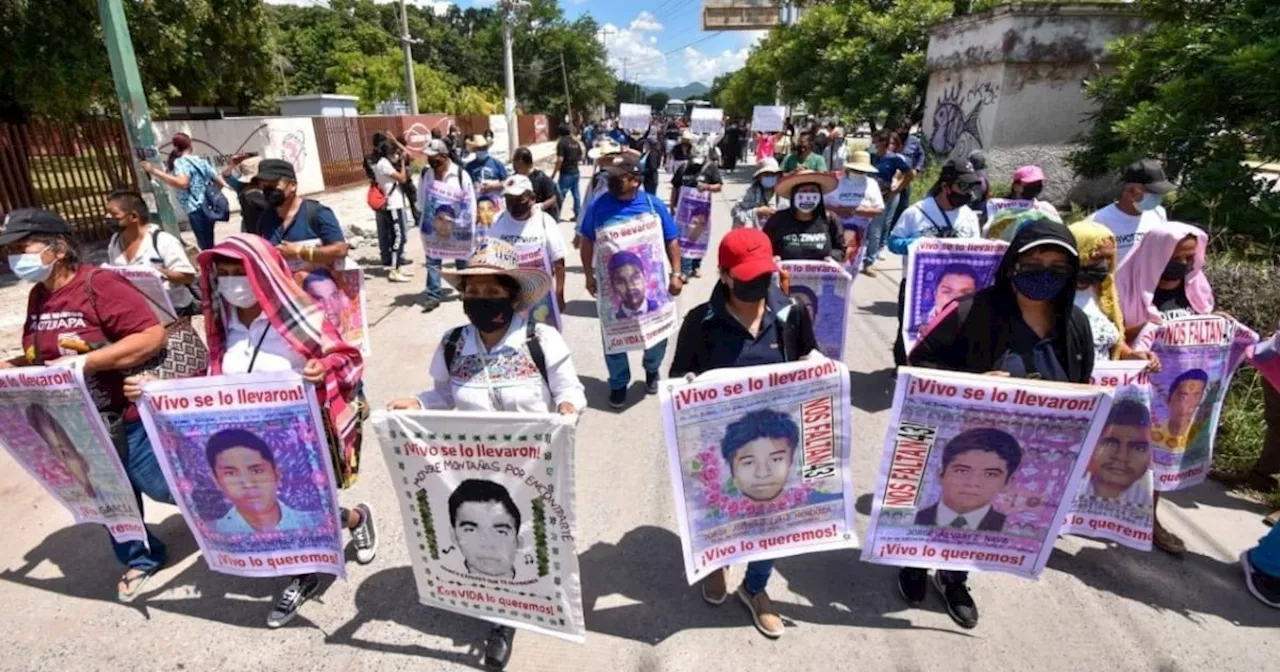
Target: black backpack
<point>531,339</point>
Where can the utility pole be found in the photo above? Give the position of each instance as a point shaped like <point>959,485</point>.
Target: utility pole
<point>134,111</point>
<point>509,8</point>
<point>411,89</point>
<point>568,104</point>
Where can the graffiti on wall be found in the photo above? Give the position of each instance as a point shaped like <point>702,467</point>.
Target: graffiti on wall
<point>957,117</point>
<point>290,145</point>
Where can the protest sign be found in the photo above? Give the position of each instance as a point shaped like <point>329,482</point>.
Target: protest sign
<point>1198,356</point>
<point>500,145</point>
<point>634,116</point>
<point>693,219</point>
<point>939,270</point>
<point>488,506</point>
<point>49,425</point>
<point>704,120</point>
<point>340,294</point>
<point>151,284</point>
<point>632,272</point>
<point>978,472</point>
<point>760,462</point>
<point>448,229</point>
<point>822,288</point>
<point>768,118</point>
<point>247,461</point>
<point>1116,500</point>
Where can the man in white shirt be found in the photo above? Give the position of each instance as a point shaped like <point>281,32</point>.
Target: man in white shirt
<point>441,168</point>
<point>976,465</point>
<point>393,217</point>
<point>533,232</point>
<point>138,243</point>
<point>1138,208</point>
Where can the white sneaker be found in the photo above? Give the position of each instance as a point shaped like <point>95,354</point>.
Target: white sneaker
<point>396,275</point>
<point>405,271</point>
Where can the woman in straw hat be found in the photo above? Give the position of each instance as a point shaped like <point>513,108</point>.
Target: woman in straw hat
<point>803,230</point>
<point>855,202</point>
<point>761,199</point>
<point>487,365</point>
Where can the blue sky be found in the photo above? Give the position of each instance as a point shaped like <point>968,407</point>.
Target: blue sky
<point>660,42</point>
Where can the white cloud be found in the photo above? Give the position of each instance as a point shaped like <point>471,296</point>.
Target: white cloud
<point>634,55</point>
<point>645,22</point>
<point>704,68</point>
<point>751,38</point>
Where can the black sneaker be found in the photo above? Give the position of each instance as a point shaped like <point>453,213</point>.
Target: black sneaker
<point>365,536</point>
<point>651,382</point>
<point>497,648</point>
<point>913,584</point>
<point>299,590</point>
<point>617,398</point>
<point>430,305</point>
<point>960,605</point>
<point>1262,586</point>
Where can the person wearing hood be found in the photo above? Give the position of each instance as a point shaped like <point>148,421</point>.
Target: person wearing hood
<point>698,173</point>
<point>760,201</point>
<point>747,322</point>
<point>1026,325</point>
<point>804,230</point>
<point>1096,293</point>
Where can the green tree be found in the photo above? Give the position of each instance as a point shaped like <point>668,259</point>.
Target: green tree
<point>1201,92</point>
<point>657,100</point>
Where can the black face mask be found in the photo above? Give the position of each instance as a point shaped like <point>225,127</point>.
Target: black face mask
<point>519,208</point>
<point>1176,270</point>
<point>489,315</point>
<point>1094,273</point>
<point>959,200</point>
<point>274,196</point>
<point>752,290</point>
<point>617,186</point>
<point>1032,190</point>
<point>115,225</point>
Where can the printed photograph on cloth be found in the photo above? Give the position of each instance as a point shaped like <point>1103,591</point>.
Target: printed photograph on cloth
<point>632,287</point>
<point>823,289</point>
<point>693,220</point>
<point>447,232</point>
<point>939,271</point>
<point>340,294</point>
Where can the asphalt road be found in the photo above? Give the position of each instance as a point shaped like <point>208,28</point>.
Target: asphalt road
<point>1098,606</point>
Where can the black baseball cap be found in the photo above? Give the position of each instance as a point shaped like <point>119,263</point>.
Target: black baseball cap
<point>1150,174</point>
<point>27,221</point>
<point>958,170</point>
<point>276,169</point>
<point>623,163</point>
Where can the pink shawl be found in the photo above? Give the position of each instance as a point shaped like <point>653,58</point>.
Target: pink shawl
<point>1139,273</point>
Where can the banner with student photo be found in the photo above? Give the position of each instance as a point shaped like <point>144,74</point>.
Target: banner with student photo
<point>151,284</point>
<point>759,461</point>
<point>939,270</point>
<point>978,472</point>
<point>247,461</point>
<point>489,518</point>
<point>768,118</point>
<point>49,425</point>
<point>632,275</point>
<point>339,291</point>
<point>447,227</point>
<point>532,251</point>
<point>1116,500</point>
<point>822,288</point>
<point>693,220</point>
<point>1198,356</point>
<point>634,116</point>
<point>706,120</point>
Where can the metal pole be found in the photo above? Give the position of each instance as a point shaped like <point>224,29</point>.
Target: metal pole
<point>513,137</point>
<point>568,104</point>
<point>411,89</point>
<point>133,108</point>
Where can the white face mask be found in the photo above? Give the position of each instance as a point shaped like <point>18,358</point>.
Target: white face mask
<point>30,267</point>
<point>237,291</point>
<point>807,201</point>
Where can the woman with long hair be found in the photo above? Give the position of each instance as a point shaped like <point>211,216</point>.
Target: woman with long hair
<point>189,175</point>
<point>803,230</point>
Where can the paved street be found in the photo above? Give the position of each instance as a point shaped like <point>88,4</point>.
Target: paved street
<point>1098,606</point>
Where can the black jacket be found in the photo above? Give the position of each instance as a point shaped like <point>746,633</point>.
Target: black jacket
<point>712,338</point>
<point>975,336</point>
<point>992,522</point>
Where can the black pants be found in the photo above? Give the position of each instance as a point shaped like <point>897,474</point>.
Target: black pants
<point>899,345</point>
<point>947,575</point>
<point>392,236</point>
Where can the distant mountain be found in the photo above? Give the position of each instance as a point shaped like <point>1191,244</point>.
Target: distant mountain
<point>693,90</point>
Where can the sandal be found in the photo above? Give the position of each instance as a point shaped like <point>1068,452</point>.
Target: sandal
<point>1168,542</point>
<point>133,584</point>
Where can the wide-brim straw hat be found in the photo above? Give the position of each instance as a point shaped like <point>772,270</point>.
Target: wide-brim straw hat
<point>495,256</point>
<point>860,162</point>
<point>768,167</point>
<point>478,141</point>
<point>249,168</point>
<point>825,181</point>
<point>604,147</point>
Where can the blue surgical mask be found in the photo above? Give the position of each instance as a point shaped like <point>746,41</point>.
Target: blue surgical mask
<point>481,155</point>
<point>30,267</point>
<point>1150,202</point>
<point>769,181</point>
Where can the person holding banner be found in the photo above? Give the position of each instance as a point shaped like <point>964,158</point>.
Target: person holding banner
<point>760,201</point>
<point>1025,325</point>
<point>747,322</point>
<point>443,184</point>
<point>257,318</point>
<point>856,202</point>
<point>537,240</point>
<point>535,371</point>
<point>701,175</point>
<point>1024,193</point>
<point>1096,293</point>
<point>804,231</point>
<point>139,243</point>
<point>98,319</point>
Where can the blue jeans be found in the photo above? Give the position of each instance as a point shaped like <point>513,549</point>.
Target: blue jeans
<point>620,367</point>
<point>393,235</point>
<point>1265,557</point>
<point>434,289</point>
<point>689,265</point>
<point>144,474</point>
<point>568,185</point>
<point>878,231</point>
<point>757,578</point>
<point>202,226</point>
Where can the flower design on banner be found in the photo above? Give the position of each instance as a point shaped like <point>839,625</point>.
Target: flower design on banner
<point>722,500</point>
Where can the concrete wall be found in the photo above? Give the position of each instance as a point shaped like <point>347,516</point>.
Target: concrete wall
<point>1010,82</point>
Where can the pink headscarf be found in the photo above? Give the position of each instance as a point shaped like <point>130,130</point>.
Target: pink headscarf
<point>1139,273</point>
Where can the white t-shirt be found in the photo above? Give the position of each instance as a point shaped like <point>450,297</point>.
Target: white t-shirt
<point>856,191</point>
<point>170,255</point>
<point>539,230</point>
<point>275,353</point>
<point>1129,229</point>
<point>926,220</point>
<point>385,174</point>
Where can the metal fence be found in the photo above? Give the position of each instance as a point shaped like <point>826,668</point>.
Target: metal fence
<point>69,168</point>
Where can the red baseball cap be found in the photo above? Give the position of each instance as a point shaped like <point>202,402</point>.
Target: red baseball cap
<point>747,254</point>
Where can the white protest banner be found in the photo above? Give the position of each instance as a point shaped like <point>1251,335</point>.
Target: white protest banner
<point>939,270</point>
<point>488,505</point>
<point>822,288</point>
<point>339,291</point>
<point>768,118</point>
<point>1116,500</point>
<point>693,220</point>
<point>247,461</point>
<point>978,472</point>
<point>151,284</point>
<point>1198,356</point>
<point>760,462</point>
<point>632,272</point>
<point>448,224</point>
<point>634,116</point>
<point>500,147</point>
<point>705,120</point>
<point>49,426</point>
